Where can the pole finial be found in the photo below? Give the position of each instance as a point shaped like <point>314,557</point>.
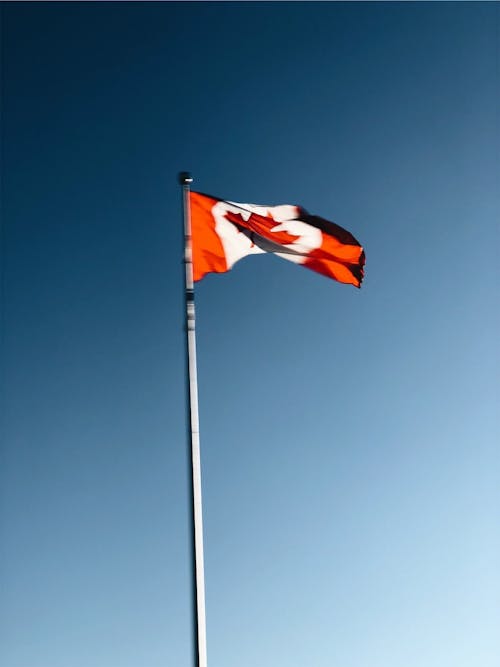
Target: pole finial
<point>185,178</point>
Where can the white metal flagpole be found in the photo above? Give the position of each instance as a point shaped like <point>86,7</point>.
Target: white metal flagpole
<point>199,622</point>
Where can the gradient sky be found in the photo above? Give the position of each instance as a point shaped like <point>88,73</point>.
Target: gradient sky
<point>350,466</point>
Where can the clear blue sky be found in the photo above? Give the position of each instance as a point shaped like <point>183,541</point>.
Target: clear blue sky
<point>350,469</point>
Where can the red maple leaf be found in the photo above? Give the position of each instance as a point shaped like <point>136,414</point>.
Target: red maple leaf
<point>261,225</point>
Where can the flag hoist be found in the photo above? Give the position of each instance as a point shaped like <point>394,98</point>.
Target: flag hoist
<point>218,233</point>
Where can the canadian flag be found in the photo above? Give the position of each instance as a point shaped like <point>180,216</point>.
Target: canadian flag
<point>223,232</point>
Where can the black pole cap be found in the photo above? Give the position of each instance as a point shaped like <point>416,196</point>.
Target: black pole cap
<point>185,178</point>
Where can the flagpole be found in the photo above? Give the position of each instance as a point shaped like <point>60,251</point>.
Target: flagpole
<point>198,575</point>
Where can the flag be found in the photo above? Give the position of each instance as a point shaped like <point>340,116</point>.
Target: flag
<point>224,231</point>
